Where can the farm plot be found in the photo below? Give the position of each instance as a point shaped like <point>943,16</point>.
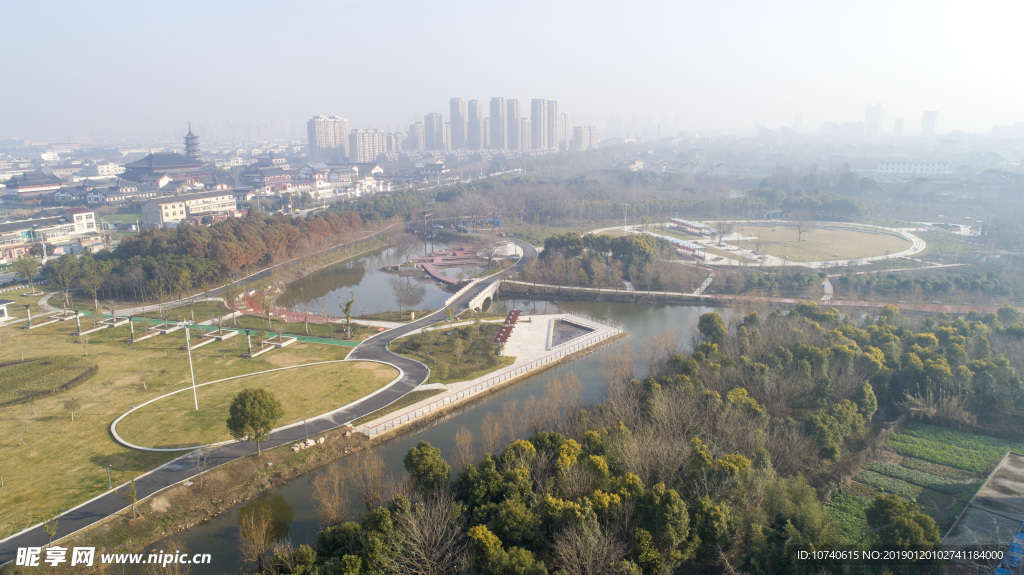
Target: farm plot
<point>939,468</point>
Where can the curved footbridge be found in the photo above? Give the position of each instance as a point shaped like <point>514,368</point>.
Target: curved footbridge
<point>412,374</point>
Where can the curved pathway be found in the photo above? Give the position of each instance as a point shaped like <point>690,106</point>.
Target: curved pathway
<point>375,348</point>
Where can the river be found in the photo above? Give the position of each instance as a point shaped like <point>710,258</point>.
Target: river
<point>291,504</point>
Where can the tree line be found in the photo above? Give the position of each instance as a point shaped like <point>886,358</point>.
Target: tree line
<point>160,263</point>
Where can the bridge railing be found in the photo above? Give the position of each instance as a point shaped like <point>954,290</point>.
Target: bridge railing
<point>502,377</point>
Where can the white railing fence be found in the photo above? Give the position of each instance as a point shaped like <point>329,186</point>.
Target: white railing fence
<point>504,376</point>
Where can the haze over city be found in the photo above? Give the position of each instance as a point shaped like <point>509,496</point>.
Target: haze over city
<point>113,70</point>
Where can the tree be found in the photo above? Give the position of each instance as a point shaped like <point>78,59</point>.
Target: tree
<point>91,275</point>
<point>722,229</point>
<point>131,495</point>
<point>50,527</point>
<point>265,301</point>
<point>426,466</point>
<point>330,495</point>
<point>72,405</point>
<point>253,414</point>
<point>64,273</point>
<point>255,534</point>
<point>712,328</point>
<point>203,461</point>
<point>346,308</point>
<point>25,269</point>
<point>897,524</point>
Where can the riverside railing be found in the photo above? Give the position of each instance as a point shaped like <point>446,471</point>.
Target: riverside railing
<point>502,377</point>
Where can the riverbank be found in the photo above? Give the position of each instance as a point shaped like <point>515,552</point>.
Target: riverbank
<point>524,290</point>
<point>186,504</point>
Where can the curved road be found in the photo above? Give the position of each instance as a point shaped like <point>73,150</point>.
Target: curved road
<point>182,468</point>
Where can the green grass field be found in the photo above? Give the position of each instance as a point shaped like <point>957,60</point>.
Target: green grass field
<point>40,374</point>
<point>436,349</point>
<point>304,392</point>
<point>50,463</point>
<point>817,244</point>
<point>199,311</point>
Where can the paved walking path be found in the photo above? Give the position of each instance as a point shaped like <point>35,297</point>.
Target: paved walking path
<point>413,373</point>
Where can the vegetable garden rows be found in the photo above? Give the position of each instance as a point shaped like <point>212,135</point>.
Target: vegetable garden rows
<point>939,468</point>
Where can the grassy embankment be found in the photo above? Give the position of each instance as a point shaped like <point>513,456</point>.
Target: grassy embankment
<point>41,443</point>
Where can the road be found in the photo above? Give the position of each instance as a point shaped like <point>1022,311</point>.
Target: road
<point>182,468</point>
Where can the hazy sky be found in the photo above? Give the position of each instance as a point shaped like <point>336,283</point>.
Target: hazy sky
<point>92,68</point>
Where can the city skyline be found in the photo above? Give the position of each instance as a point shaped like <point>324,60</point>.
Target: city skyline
<point>733,66</point>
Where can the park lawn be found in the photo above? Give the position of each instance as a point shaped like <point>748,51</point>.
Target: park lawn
<point>121,218</point>
<point>49,463</point>
<point>404,401</point>
<point>256,323</point>
<point>305,392</point>
<point>818,244</point>
<point>436,348</point>
<point>17,309</point>
<point>199,311</point>
<point>945,246</point>
<point>613,233</point>
<point>403,317</point>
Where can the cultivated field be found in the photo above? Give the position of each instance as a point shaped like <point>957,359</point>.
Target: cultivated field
<point>49,463</point>
<point>939,468</point>
<point>817,244</point>
<point>304,391</point>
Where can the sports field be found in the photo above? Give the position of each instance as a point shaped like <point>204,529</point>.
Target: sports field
<point>817,243</point>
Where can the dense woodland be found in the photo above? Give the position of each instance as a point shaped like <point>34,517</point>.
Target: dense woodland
<point>720,463</point>
<point>160,263</point>
<point>603,261</point>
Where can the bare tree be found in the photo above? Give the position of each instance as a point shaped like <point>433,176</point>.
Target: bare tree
<point>203,461</point>
<point>431,536</point>
<point>329,495</point>
<point>407,293</point>
<point>801,226</point>
<point>511,417</point>
<point>369,471</point>
<point>490,433</point>
<point>722,229</point>
<point>255,534</point>
<point>465,449</point>
<point>580,551</point>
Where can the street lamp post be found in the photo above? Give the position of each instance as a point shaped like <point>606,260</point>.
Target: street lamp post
<point>248,340</point>
<point>188,346</point>
<point>624,216</point>
<point>78,321</point>
<point>304,428</point>
<point>29,312</point>
<point>110,484</point>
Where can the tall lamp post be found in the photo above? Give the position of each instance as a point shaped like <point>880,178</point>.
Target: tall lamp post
<point>29,312</point>
<point>624,216</point>
<point>188,346</point>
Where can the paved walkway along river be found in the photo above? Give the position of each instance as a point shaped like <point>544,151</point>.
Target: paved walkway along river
<point>182,468</point>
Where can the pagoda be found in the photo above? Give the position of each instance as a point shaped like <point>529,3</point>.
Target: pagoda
<point>191,144</point>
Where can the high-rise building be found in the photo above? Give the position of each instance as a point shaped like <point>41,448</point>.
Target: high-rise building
<point>524,134</point>
<point>458,123</point>
<point>513,122</point>
<point>396,142</point>
<point>584,138</point>
<point>929,121</point>
<point>433,126</point>
<point>499,124</point>
<point>563,132</point>
<point>555,137</point>
<point>328,139</point>
<point>446,137</point>
<point>897,127</point>
<point>487,134</point>
<point>475,126</point>
<point>366,145</point>
<point>538,125</point>
<point>874,116</point>
<point>417,138</point>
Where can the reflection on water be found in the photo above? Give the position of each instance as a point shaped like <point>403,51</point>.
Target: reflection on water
<point>325,291</point>
<point>281,512</point>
